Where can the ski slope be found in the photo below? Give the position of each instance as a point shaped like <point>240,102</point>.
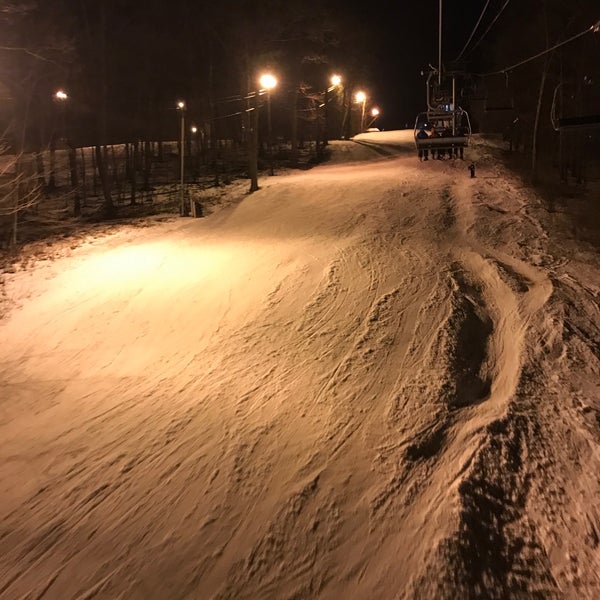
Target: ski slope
<point>374,379</point>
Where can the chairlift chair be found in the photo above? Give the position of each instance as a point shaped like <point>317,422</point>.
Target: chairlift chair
<point>454,129</point>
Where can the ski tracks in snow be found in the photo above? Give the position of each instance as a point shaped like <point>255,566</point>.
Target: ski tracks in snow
<point>353,411</point>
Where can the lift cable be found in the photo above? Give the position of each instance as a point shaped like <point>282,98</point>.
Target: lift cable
<point>473,32</point>
<point>489,26</point>
<point>593,28</point>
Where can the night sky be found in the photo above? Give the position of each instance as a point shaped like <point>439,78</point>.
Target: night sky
<point>128,61</point>
<point>400,38</point>
<point>406,42</point>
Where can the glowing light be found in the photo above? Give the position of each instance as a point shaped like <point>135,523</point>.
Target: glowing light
<point>180,104</point>
<point>360,97</point>
<point>61,95</point>
<point>336,80</point>
<point>375,112</point>
<point>268,81</point>
<point>137,265</point>
<point>194,129</point>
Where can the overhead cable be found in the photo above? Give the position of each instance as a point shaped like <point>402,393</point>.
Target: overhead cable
<point>473,32</point>
<point>593,28</point>
<point>490,26</point>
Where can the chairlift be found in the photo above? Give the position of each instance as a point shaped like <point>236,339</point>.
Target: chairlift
<point>451,123</point>
<point>452,127</point>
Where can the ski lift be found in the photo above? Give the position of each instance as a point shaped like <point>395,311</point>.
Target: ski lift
<point>452,129</point>
<point>451,123</point>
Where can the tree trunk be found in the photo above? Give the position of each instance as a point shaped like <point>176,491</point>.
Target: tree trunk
<point>318,135</point>
<point>133,165</point>
<point>534,147</point>
<point>74,181</point>
<point>214,158</point>
<point>214,151</point>
<point>52,176</point>
<point>103,79</point>
<point>295,128</point>
<point>94,174</point>
<point>13,240</point>
<point>345,132</point>
<point>545,68</point>
<point>41,175</point>
<point>83,178</point>
<point>108,205</point>
<point>116,175</point>
<point>127,147</point>
<point>253,145</point>
<point>147,166</point>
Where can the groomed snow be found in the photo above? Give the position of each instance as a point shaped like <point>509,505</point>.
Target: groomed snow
<point>374,379</point>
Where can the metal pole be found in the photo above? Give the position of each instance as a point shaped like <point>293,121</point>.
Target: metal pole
<point>453,104</point>
<point>269,141</point>
<point>440,48</point>
<point>362,116</point>
<point>181,164</point>
<point>325,131</point>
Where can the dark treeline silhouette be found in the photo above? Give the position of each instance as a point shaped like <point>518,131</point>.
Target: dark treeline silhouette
<point>533,101</point>
<point>123,65</point>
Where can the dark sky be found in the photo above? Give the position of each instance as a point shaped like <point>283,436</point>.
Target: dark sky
<point>408,42</point>
<point>403,40</point>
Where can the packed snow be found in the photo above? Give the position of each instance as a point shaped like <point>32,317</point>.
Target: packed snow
<point>375,379</point>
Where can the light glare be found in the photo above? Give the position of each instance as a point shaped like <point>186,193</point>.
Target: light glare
<point>360,96</point>
<point>268,81</point>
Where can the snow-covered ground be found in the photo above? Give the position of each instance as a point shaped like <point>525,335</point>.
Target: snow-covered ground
<point>375,379</point>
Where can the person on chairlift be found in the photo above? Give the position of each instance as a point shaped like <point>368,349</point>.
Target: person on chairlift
<point>422,135</point>
<point>435,134</point>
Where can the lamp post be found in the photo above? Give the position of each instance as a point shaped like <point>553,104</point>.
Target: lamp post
<point>196,163</point>
<point>361,98</point>
<point>181,109</point>
<point>374,114</point>
<point>335,80</point>
<point>61,97</point>
<point>268,82</point>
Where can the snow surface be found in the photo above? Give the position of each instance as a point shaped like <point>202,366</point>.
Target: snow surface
<point>374,379</point>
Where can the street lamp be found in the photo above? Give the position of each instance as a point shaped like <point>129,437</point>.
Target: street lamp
<point>195,163</point>
<point>374,114</point>
<point>335,80</point>
<point>61,97</point>
<point>181,109</point>
<point>361,98</point>
<point>268,82</point>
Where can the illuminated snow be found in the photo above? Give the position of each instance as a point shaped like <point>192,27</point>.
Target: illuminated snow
<point>354,383</point>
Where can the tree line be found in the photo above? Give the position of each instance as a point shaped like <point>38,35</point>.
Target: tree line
<point>123,64</point>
